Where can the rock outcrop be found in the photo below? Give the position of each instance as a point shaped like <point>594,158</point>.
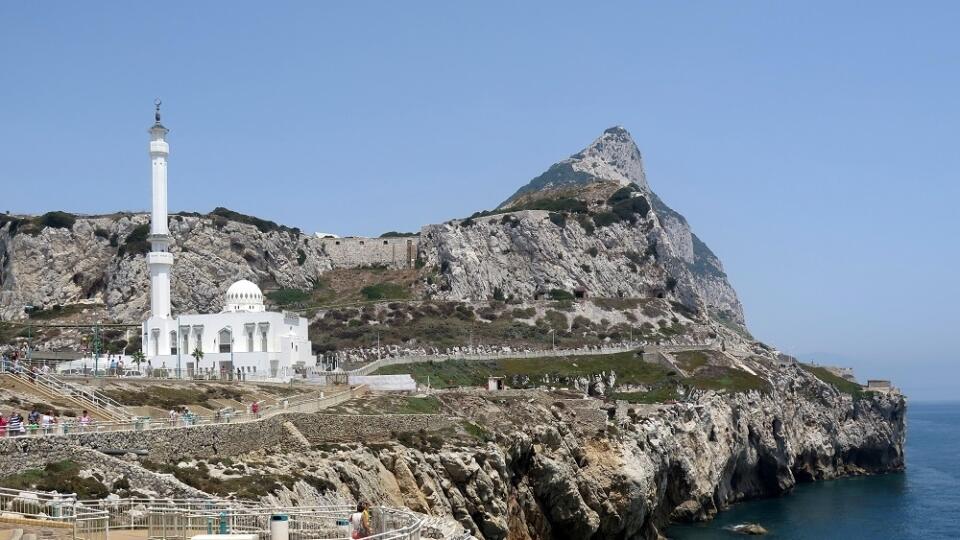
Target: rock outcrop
<point>590,225</point>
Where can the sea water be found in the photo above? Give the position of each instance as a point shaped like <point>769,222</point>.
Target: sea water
<point>923,502</point>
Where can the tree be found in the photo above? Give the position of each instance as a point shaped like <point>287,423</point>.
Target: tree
<point>197,355</point>
<point>138,358</point>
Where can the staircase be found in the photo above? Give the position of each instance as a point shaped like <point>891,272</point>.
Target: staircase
<point>55,388</point>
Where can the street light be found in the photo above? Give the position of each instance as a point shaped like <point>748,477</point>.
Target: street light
<point>179,343</point>
<point>29,309</point>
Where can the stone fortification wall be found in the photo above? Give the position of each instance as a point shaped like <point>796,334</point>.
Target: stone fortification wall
<point>318,428</point>
<point>352,252</point>
<point>217,440</point>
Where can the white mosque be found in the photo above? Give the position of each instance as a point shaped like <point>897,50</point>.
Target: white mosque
<point>244,339</point>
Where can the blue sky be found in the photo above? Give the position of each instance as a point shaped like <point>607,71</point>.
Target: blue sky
<point>812,145</point>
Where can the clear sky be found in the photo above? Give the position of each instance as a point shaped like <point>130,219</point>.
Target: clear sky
<point>813,146</point>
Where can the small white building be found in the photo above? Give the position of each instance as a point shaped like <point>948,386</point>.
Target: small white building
<point>243,340</point>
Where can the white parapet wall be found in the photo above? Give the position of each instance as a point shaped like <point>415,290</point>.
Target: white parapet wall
<point>394,383</point>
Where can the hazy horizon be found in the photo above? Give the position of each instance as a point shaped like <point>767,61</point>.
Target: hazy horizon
<point>818,165</point>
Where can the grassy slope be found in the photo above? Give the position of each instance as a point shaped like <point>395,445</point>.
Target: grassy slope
<point>839,383</point>
<point>629,369</point>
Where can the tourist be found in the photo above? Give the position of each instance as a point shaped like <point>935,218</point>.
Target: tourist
<point>255,409</point>
<point>360,521</point>
<point>47,421</point>
<point>173,417</point>
<point>149,369</point>
<point>3,426</point>
<point>33,421</point>
<point>84,420</point>
<point>15,425</point>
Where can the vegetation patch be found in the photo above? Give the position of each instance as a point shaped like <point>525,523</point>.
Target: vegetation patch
<point>249,486</point>
<point>385,291</point>
<point>659,382</point>
<point>178,398</point>
<point>61,476</point>
<point>841,384</point>
<point>288,297</point>
<point>263,225</point>
<point>136,242</point>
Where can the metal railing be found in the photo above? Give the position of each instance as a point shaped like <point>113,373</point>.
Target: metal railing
<point>304,522</point>
<point>91,400</point>
<point>180,519</point>
<point>37,505</point>
<point>309,403</point>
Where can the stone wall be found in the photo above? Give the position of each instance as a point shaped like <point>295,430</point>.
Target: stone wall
<point>167,444</point>
<point>217,440</point>
<point>356,251</point>
<point>320,428</point>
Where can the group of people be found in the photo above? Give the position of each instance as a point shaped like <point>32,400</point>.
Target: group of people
<point>15,425</point>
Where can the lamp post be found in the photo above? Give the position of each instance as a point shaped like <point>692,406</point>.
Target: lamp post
<point>232,342</point>
<point>96,348</point>
<point>179,343</point>
<point>29,309</point>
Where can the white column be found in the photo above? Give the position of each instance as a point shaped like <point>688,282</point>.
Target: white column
<point>159,260</point>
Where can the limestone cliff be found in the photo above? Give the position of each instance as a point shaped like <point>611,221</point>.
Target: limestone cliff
<point>589,225</point>
<point>534,464</point>
<point>100,260</point>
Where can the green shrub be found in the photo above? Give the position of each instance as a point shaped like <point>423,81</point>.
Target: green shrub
<point>587,223</point>
<point>286,297</point>
<point>558,219</point>
<point>604,219</point>
<point>58,220</point>
<point>560,294</point>
<point>136,242</point>
<point>621,194</point>
<point>396,234</point>
<point>384,291</point>
<point>301,257</point>
<point>629,209</point>
<point>262,225</point>
<point>593,251</point>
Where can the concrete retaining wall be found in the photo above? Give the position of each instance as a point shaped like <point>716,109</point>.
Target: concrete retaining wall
<point>385,382</point>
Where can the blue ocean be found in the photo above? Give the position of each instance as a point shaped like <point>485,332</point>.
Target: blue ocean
<point>923,502</point>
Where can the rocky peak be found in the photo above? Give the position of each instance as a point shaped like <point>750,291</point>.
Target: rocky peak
<point>612,157</point>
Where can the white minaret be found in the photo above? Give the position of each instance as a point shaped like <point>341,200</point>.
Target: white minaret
<point>159,260</point>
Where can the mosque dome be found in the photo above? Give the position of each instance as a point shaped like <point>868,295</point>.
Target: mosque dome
<point>243,295</point>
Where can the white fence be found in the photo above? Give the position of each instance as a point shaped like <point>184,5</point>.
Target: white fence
<point>181,519</point>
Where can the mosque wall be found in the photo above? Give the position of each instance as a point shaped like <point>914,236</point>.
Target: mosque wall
<point>353,252</point>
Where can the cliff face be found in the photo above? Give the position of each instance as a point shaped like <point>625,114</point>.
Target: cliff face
<point>589,224</point>
<point>100,260</point>
<point>550,480</point>
<point>551,467</point>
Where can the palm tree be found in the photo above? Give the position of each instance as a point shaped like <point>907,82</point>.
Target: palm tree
<point>138,358</point>
<point>197,355</point>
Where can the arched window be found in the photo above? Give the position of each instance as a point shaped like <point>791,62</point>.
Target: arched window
<point>225,338</point>
<point>173,342</point>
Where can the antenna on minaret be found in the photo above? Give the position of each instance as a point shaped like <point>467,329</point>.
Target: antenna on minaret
<point>157,102</point>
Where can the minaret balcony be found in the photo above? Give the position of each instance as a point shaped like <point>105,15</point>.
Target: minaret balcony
<point>159,147</point>
<point>160,258</point>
